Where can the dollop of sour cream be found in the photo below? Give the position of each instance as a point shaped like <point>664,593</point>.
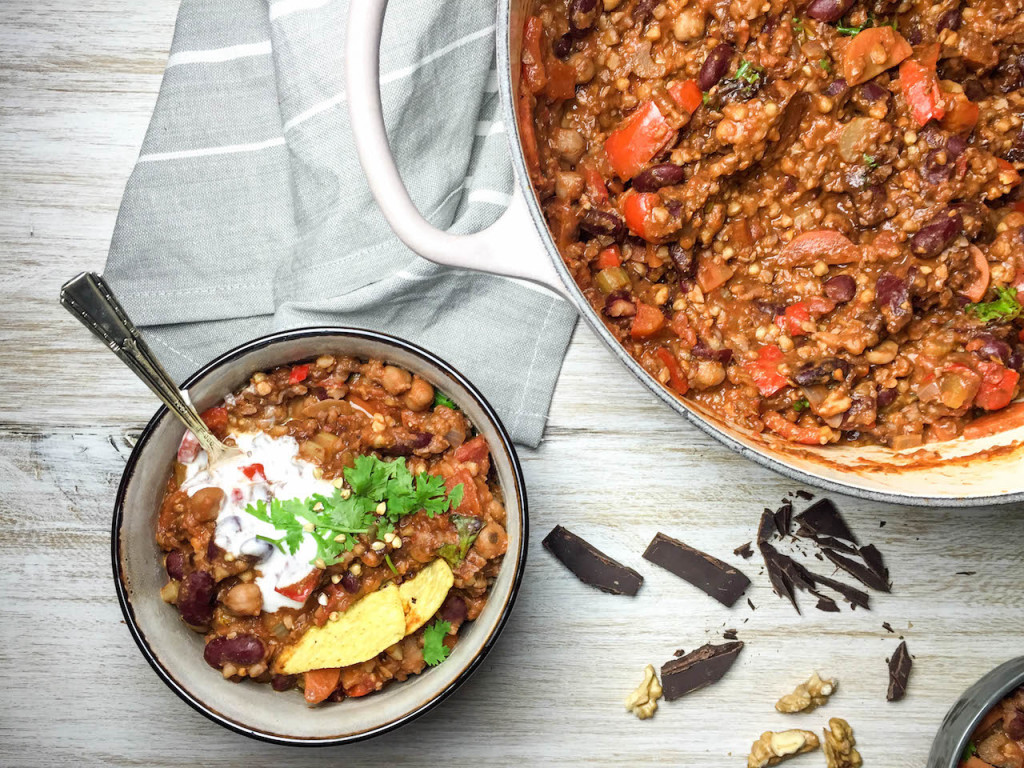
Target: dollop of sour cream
<point>283,475</point>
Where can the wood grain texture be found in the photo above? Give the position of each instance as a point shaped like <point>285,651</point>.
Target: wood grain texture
<point>77,84</point>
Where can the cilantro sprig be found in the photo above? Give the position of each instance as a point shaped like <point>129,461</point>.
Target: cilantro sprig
<point>749,72</point>
<point>870,161</point>
<point>440,398</point>
<point>1004,308</point>
<point>434,649</point>
<point>379,493</point>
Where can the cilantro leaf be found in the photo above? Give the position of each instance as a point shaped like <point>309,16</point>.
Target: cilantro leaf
<point>969,751</point>
<point>870,161</point>
<point>801,405</point>
<point>825,63</point>
<point>1004,308</point>
<point>434,649</point>
<point>749,73</point>
<point>440,398</point>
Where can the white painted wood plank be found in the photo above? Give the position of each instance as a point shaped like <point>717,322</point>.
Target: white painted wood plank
<point>77,84</point>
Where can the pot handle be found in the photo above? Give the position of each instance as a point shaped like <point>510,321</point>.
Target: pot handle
<point>511,246</point>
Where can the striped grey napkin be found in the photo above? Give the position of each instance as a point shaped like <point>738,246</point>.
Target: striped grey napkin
<point>247,211</point>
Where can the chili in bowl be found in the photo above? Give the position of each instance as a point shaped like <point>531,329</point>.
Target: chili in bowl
<point>350,566</point>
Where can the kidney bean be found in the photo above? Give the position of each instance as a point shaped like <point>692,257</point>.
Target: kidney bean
<point>283,682</point>
<point>890,291</point>
<point>404,446</point>
<point>1015,728</point>
<point>836,87</point>
<point>1015,154</point>
<point>936,167</point>
<point>619,307</point>
<point>933,238</point>
<point>822,373</point>
<point>595,222</point>
<point>886,397</point>
<point>563,46</point>
<point>703,352</point>
<point>195,598</point>
<point>914,35</point>
<point>1016,361</point>
<point>770,25</point>
<point>973,89</point>
<point>582,15</point>
<point>349,582</point>
<point>769,307</point>
<point>453,609</point>
<point>241,650</point>
<point>949,20</point>
<point>872,92</point>
<point>658,176</point>
<point>990,346</point>
<point>715,66</point>
<point>955,146</point>
<point>828,10</point>
<point>175,564</point>
<point>643,9</point>
<point>686,265</point>
<point>841,288</point>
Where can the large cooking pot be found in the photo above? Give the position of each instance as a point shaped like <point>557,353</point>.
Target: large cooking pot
<point>960,472</point>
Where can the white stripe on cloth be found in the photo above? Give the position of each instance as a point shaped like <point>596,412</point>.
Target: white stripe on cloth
<point>491,196</point>
<point>287,7</point>
<point>231,149</point>
<point>489,128</point>
<point>390,77</point>
<point>220,55</point>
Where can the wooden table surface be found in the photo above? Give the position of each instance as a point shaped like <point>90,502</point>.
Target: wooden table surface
<point>77,85</point>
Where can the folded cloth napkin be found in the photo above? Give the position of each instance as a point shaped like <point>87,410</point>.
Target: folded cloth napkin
<point>247,211</point>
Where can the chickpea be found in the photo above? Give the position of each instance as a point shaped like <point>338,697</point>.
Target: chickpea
<point>420,395</point>
<point>205,504</point>
<point>492,541</point>
<point>395,380</point>
<point>569,144</point>
<point>244,599</point>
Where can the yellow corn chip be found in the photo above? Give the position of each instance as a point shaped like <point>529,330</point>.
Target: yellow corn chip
<point>423,594</point>
<point>370,625</point>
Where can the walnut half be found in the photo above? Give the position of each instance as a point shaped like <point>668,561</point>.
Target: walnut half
<point>807,696</point>
<point>644,700</point>
<point>839,745</point>
<point>772,748</point>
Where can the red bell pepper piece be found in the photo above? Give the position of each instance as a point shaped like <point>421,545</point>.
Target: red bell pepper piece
<point>470,498</point>
<point>676,377</point>
<point>921,90</point>
<point>254,469</point>
<point>318,684</point>
<point>609,257</point>
<point>596,187</point>
<point>561,83</point>
<point>216,419</point>
<point>688,94</point>
<point>298,374</point>
<point>301,589</point>
<point>534,74</point>
<point>474,450</point>
<point>998,385</point>
<point>793,320</point>
<point>765,370</point>
<point>647,321</point>
<point>637,208</point>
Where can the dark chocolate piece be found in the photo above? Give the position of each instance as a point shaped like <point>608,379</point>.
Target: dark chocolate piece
<point>882,524</point>
<point>751,604</point>
<point>836,544</point>
<point>783,518</point>
<point>823,519</point>
<point>766,528</point>
<point>707,573</point>
<point>590,565</point>
<point>899,673</point>
<point>805,494</point>
<point>852,594</point>
<point>825,603</point>
<point>873,559</point>
<point>698,669</point>
<point>860,572</point>
<point>729,634</point>
<point>965,573</point>
<point>888,627</point>
<point>744,551</point>
<point>773,562</point>
<point>678,653</point>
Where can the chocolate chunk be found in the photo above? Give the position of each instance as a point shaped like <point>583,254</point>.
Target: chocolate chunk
<point>836,544</point>
<point>774,563</point>
<point>744,551</point>
<point>698,669</point>
<point>766,528</point>
<point>852,594</point>
<point>860,572</point>
<point>965,573</point>
<point>751,604</point>
<point>873,559</point>
<point>707,573</point>
<point>783,517</point>
<point>729,634</point>
<point>823,519</point>
<point>899,673</point>
<point>805,495</point>
<point>590,565</point>
<point>882,524</point>
<point>679,653</point>
<point>826,604</point>
<point>888,627</point>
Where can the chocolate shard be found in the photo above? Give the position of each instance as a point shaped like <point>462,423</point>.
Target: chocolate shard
<point>590,565</point>
<point>707,573</point>
<point>825,603</point>
<point>698,669</point>
<point>744,551</point>
<point>766,528</point>
<point>888,627</point>
<point>783,518</point>
<point>899,673</point>
<point>805,494</point>
<point>751,604</point>
<point>860,572</point>
<point>836,544</point>
<point>873,559</point>
<point>729,634</point>
<point>855,596</point>
<point>823,519</point>
<point>780,581</point>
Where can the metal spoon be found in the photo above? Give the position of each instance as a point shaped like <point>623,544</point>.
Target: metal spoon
<point>90,299</point>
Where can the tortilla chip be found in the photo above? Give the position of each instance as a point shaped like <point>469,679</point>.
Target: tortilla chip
<point>369,626</point>
<point>423,594</point>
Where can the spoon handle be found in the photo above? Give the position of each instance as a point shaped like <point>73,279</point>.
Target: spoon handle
<point>89,298</point>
